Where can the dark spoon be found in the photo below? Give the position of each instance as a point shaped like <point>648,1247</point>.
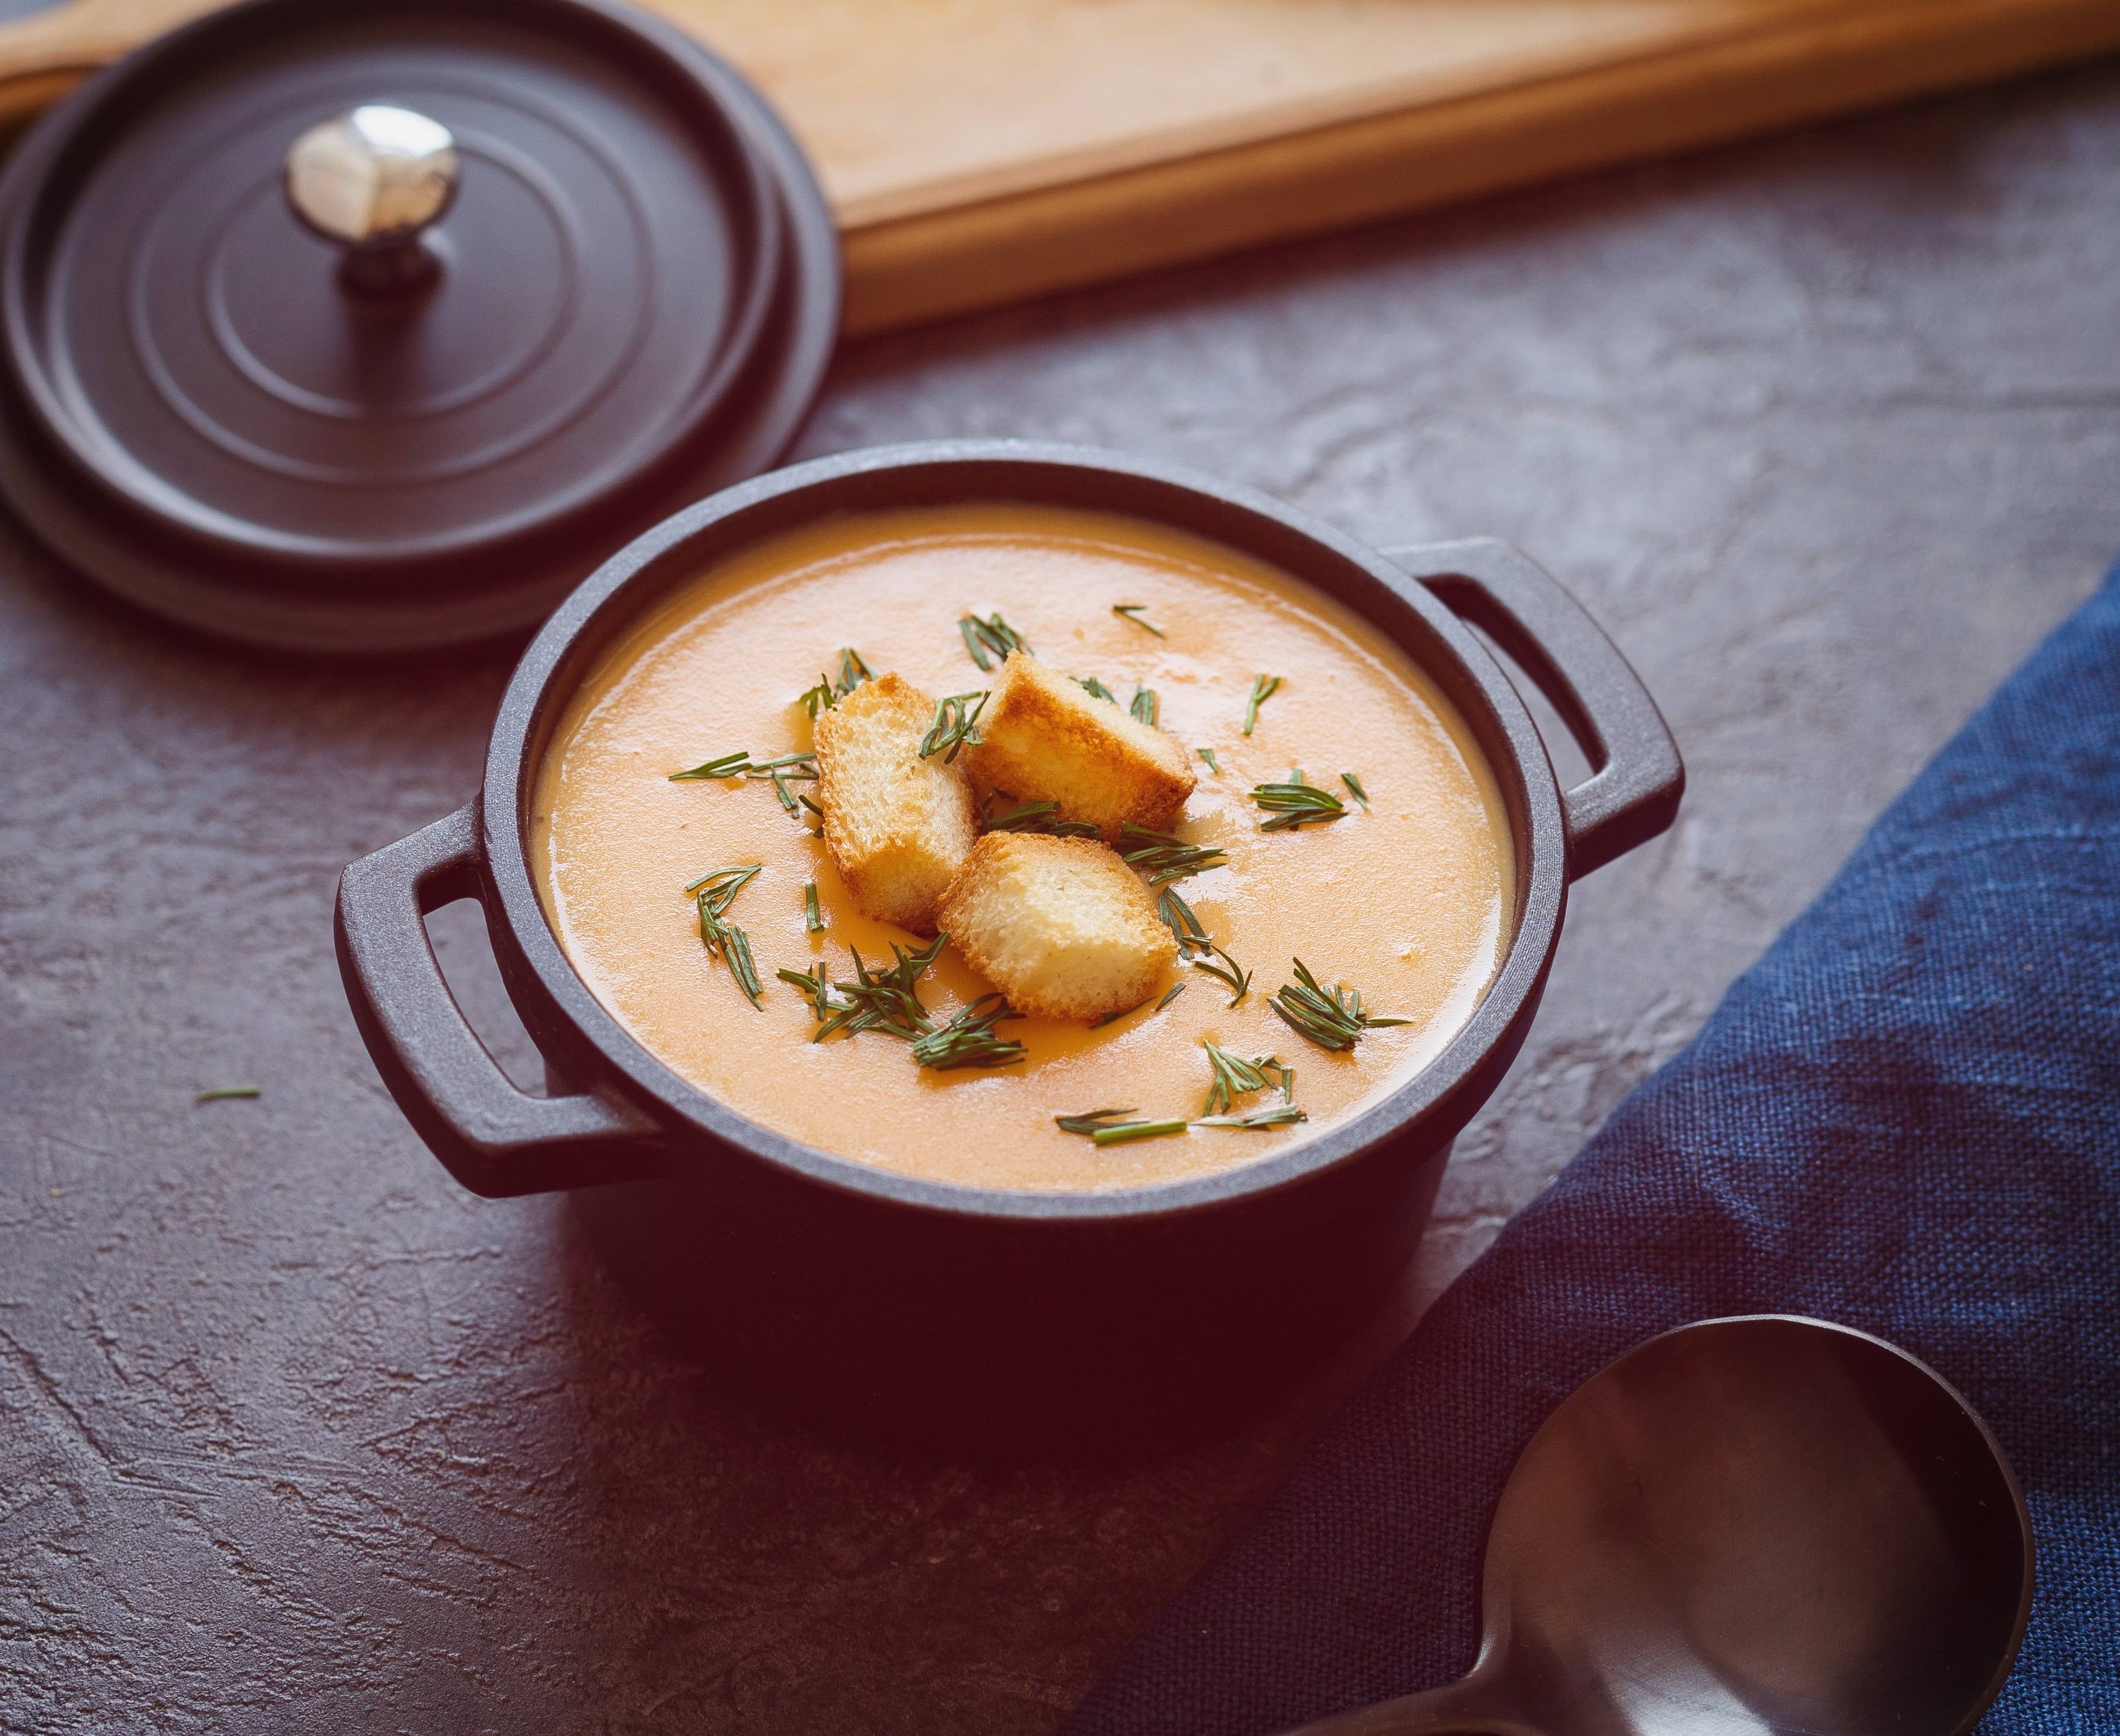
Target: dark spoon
<point>1766,1526</point>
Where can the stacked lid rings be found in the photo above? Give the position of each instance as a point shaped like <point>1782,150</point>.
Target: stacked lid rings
<point>359,329</point>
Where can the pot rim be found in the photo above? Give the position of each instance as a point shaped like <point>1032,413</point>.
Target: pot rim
<point>620,589</point>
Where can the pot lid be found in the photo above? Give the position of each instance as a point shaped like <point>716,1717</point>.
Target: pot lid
<point>352,328</point>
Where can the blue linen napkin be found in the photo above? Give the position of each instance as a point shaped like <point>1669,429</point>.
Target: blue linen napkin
<point>1905,1117</point>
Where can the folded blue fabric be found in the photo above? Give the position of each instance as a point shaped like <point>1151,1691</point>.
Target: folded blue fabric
<point>1905,1117</point>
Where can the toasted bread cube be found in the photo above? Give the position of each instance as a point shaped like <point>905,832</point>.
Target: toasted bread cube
<point>898,826</point>
<point>1061,926</point>
<point>1043,738</point>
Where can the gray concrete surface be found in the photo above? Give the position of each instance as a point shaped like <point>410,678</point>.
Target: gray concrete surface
<point>294,1436</point>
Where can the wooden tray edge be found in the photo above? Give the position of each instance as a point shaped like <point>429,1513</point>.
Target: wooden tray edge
<point>910,271</point>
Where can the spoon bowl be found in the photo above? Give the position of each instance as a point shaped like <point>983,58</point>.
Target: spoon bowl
<point>1763,1526</point>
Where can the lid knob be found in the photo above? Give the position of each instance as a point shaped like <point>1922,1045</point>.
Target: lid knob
<point>372,179</point>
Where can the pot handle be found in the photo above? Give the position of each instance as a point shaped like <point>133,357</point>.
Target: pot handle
<point>1636,775</point>
<point>495,1139</point>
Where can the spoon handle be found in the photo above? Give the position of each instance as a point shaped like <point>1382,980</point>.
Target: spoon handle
<point>1468,1708</point>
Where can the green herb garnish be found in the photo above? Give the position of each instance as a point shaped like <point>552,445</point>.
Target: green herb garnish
<point>715,891</point>
<point>803,767</point>
<point>854,671</point>
<point>990,640</point>
<point>1121,1132</point>
<point>220,1093</point>
<point>883,1000</point>
<point>1043,817</point>
<point>1144,706</point>
<point>1282,1115</point>
<point>1228,972</point>
<point>813,919</point>
<point>728,765</point>
<point>1182,921</point>
<point>1208,754</point>
<point>1090,1122</point>
<point>969,1039</point>
<point>1096,689</point>
<point>1164,859</point>
<point>1196,948</point>
<point>1296,804</point>
<point>1234,1076</point>
<point>1354,789</point>
<point>955,726</point>
<point>1133,611</point>
<point>717,888</point>
<point>1169,994</point>
<point>817,830</point>
<point>1331,1018</point>
<point>1263,688</point>
<point>1099,1126</point>
<point>816,988</point>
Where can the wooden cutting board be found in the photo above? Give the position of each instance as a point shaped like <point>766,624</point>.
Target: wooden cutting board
<point>979,151</point>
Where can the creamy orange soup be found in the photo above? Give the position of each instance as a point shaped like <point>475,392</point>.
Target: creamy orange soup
<point>1408,901</point>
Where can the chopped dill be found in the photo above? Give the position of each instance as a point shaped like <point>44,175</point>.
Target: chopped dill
<point>813,919</point>
<point>1183,921</point>
<point>1228,972</point>
<point>1096,689</point>
<point>1234,1076</point>
<point>854,671</point>
<point>1263,688</point>
<point>1164,859</point>
<point>1134,612</point>
<point>990,640</point>
<point>714,891</point>
<point>1282,1115</point>
<point>1331,1018</point>
<point>717,888</point>
<point>1208,754</point>
<point>956,726</point>
<point>969,1039</point>
<point>1294,803</point>
<point>1104,1127</point>
<point>1354,789</point>
<point>728,765</point>
<point>222,1093</point>
<point>1169,994</point>
<point>1032,816</point>
<point>815,987</point>
<point>1197,948</point>
<point>1144,706</point>
<point>1121,1132</point>
<point>1087,1123</point>
<point>885,1000</point>
<point>801,767</point>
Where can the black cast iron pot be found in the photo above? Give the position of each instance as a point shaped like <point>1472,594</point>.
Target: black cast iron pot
<point>948,1314</point>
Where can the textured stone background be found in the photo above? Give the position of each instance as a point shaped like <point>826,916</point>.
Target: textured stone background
<point>293,1435</point>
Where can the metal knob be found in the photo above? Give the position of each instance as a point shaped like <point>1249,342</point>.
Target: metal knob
<point>372,180</point>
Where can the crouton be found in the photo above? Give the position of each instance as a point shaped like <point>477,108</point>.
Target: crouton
<point>1061,926</point>
<point>898,826</point>
<point>1044,739</point>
